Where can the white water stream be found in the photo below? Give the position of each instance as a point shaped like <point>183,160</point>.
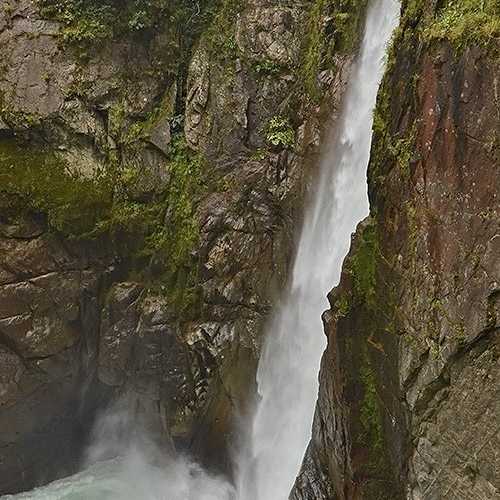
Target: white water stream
<point>288,369</point>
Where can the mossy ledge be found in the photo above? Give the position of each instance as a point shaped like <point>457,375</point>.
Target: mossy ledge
<point>162,232</point>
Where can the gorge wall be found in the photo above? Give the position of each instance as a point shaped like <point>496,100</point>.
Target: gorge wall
<point>409,398</point>
<point>153,158</point>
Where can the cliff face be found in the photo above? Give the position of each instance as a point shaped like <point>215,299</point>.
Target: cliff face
<point>409,404</point>
<point>152,160</point>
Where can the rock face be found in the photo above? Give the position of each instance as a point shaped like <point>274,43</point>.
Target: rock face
<point>49,321</point>
<point>151,182</point>
<point>409,401</point>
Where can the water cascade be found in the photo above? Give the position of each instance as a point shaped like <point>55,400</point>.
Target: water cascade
<point>287,374</point>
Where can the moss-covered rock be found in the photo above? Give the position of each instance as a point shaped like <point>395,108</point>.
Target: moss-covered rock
<point>401,407</point>
<point>165,150</point>
<point>35,179</point>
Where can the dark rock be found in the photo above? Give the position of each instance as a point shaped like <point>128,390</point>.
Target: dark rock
<point>425,345</point>
<point>81,324</point>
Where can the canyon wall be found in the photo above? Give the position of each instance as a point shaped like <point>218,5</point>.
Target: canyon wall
<point>409,398</point>
<point>154,156</point>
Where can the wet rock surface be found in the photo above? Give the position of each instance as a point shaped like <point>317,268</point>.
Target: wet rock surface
<point>408,402</point>
<point>80,324</point>
<point>49,320</point>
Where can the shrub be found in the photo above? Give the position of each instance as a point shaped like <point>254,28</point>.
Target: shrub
<point>279,132</point>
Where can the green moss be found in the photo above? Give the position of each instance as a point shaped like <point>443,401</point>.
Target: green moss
<point>362,264</point>
<point>88,23</point>
<point>90,20</point>
<point>466,22</point>
<point>163,232</point>
<point>342,306</point>
<point>371,438</point>
<point>36,180</point>
<point>461,22</point>
<point>142,129</point>
<point>391,146</point>
<point>267,67</point>
<point>313,50</point>
<point>117,119</point>
<point>220,36</point>
<point>181,232</point>
<point>403,151</point>
<point>17,119</point>
<point>370,415</point>
<point>333,28</point>
<point>260,154</point>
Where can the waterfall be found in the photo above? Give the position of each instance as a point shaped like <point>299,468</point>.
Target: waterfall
<point>288,369</point>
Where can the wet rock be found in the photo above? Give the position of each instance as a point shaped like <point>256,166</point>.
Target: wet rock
<point>160,135</point>
<point>47,323</point>
<point>10,375</point>
<point>119,322</point>
<point>81,323</point>
<point>269,33</point>
<point>425,344</point>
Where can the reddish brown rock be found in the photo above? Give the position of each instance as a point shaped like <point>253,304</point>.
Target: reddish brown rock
<point>408,402</point>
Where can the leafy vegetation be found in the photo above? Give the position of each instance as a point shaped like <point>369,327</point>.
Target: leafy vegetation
<point>91,20</point>
<point>342,306</point>
<point>279,132</point>
<point>220,35</point>
<point>466,22</point>
<point>313,51</point>
<point>267,67</point>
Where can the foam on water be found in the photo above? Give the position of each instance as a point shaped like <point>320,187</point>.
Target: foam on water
<point>133,478</point>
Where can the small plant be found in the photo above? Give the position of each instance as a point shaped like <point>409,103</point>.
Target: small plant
<point>259,154</point>
<point>342,306</point>
<point>279,132</point>
<point>267,67</point>
<point>82,21</point>
<point>139,20</point>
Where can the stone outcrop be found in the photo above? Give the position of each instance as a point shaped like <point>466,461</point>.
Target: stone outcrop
<point>190,160</point>
<point>49,310</point>
<point>408,401</point>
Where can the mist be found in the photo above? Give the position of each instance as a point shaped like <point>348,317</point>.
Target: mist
<point>127,461</point>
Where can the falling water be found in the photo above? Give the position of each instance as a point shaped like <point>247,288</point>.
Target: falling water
<point>287,374</point>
